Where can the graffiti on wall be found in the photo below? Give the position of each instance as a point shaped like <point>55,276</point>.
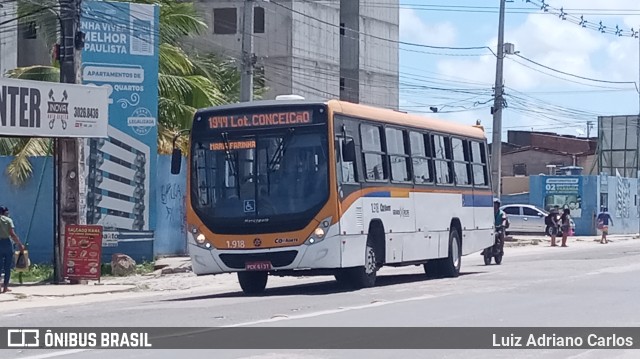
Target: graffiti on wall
<point>623,200</point>
<point>172,197</point>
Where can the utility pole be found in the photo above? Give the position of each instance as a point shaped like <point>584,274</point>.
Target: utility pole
<point>496,143</point>
<point>248,59</point>
<point>68,174</point>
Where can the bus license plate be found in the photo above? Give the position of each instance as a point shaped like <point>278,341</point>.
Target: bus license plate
<point>257,266</point>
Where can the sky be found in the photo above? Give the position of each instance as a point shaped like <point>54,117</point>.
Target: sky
<point>459,82</point>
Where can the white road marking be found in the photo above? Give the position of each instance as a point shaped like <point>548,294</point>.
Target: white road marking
<point>332,311</point>
<point>56,354</point>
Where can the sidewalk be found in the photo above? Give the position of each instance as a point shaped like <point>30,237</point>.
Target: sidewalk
<point>107,285</point>
<point>62,290</point>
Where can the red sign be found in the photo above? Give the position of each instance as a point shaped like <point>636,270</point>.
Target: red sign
<point>82,252</point>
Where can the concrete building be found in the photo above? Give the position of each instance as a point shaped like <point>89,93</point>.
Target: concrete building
<point>8,38</point>
<point>529,153</point>
<point>344,49</point>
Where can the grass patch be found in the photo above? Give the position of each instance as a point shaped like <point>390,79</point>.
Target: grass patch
<point>36,273</point>
<point>141,269</point>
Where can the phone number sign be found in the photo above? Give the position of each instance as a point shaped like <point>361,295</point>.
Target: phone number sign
<point>82,252</point>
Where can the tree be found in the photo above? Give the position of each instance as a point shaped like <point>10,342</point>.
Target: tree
<point>187,80</point>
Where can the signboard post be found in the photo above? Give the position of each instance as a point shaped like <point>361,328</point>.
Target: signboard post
<point>82,252</point>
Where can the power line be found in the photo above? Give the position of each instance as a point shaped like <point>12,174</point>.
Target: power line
<point>578,76</point>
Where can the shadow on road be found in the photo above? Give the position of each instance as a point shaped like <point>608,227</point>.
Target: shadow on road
<point>320,288</point>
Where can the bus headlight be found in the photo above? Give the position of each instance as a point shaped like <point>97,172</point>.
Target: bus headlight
<point>200,239</point>
<point>320,232</point>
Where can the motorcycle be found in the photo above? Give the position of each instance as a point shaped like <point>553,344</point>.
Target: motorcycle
<point>496,250</point>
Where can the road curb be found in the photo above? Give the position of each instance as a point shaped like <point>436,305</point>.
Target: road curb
<point>66,295</point>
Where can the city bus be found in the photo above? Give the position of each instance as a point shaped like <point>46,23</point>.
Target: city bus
<point>292,187</point>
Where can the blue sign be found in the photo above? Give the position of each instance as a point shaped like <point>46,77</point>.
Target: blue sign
<point>121,53</point>
<point>564,192</point>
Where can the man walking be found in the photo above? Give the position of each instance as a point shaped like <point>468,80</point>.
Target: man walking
<point>603,224</point>
<point>7,234</point>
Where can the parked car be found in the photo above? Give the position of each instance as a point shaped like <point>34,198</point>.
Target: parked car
<point>526,218</point>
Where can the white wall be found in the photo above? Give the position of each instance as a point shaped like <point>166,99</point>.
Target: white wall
<point>623,201</point>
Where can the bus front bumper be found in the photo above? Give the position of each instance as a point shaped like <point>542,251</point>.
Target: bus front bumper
<point>322,255</point>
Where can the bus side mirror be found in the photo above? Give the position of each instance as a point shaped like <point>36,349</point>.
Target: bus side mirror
<point>349,151</point>
<point>176,161</point>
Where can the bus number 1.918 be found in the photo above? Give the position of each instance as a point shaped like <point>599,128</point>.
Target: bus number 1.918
<point>235,244</point>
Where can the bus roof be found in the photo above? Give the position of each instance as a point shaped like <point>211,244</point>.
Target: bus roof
<point>363,111</point>
<point>405,119</point>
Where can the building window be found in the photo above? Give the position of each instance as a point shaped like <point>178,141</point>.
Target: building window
<point>29,30</point>
<point>225,21</point>
<point>520,169</point>
<point>342,29</point>
<point>342,84</point>
<point>258,20</point>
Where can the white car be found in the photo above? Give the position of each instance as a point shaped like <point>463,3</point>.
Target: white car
<point>525,218</point>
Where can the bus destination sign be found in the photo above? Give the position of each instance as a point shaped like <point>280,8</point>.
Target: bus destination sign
<point>275,119</point>
<point>233,145</point>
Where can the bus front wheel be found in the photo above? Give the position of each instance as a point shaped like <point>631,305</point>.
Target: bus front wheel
<point>365,276</point>
<point>253,282</point>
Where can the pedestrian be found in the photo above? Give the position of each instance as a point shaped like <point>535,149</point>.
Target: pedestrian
<point>552,222</point>
<point>7,234</point>
<point>603,224</point>
<point>565,225</point>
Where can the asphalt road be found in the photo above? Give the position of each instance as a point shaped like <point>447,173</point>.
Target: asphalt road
<point>587,284</point>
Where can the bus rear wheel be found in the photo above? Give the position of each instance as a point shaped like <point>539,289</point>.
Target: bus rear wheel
<point>253,282</point>
<point>447,267</point>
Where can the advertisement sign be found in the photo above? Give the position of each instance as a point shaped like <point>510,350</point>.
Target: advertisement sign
<point>82,252</point>
<point>564,192</point>
<point>51,109</point>
<point>121,55</point>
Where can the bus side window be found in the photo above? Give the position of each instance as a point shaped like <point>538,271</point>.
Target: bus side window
<point>421,163</point>
<point>461,160</point>
<point>479,164</point>
<point>346,156</point>
<point>442,161</point>
<point>373,153</point>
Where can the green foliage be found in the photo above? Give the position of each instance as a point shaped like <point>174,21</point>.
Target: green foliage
<point>36,274</point>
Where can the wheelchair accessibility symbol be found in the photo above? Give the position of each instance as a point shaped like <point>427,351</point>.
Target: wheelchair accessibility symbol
<point>249,206</point>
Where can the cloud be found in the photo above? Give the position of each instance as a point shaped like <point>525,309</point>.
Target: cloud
<point>414,29</point>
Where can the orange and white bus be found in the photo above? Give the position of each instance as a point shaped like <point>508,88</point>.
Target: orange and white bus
<point>296,187</point>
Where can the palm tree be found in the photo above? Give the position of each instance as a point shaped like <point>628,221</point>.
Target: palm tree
<point>187,81</point>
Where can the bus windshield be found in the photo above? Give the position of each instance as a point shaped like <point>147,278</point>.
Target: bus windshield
<point>273,180</point>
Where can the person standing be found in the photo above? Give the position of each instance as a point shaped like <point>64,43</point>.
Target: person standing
<point>554,227</point>
<point>7,234</point>
<point>565,225</point>
<point>603,224</point>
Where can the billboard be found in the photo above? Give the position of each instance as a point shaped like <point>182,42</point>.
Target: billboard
<point>52,109</point>
<point>619,145</point>
<point>121,54</point>
<point>564,192</point>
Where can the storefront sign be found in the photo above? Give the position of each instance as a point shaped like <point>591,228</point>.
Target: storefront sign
<point>83,248</point>
<point>51,109</point>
